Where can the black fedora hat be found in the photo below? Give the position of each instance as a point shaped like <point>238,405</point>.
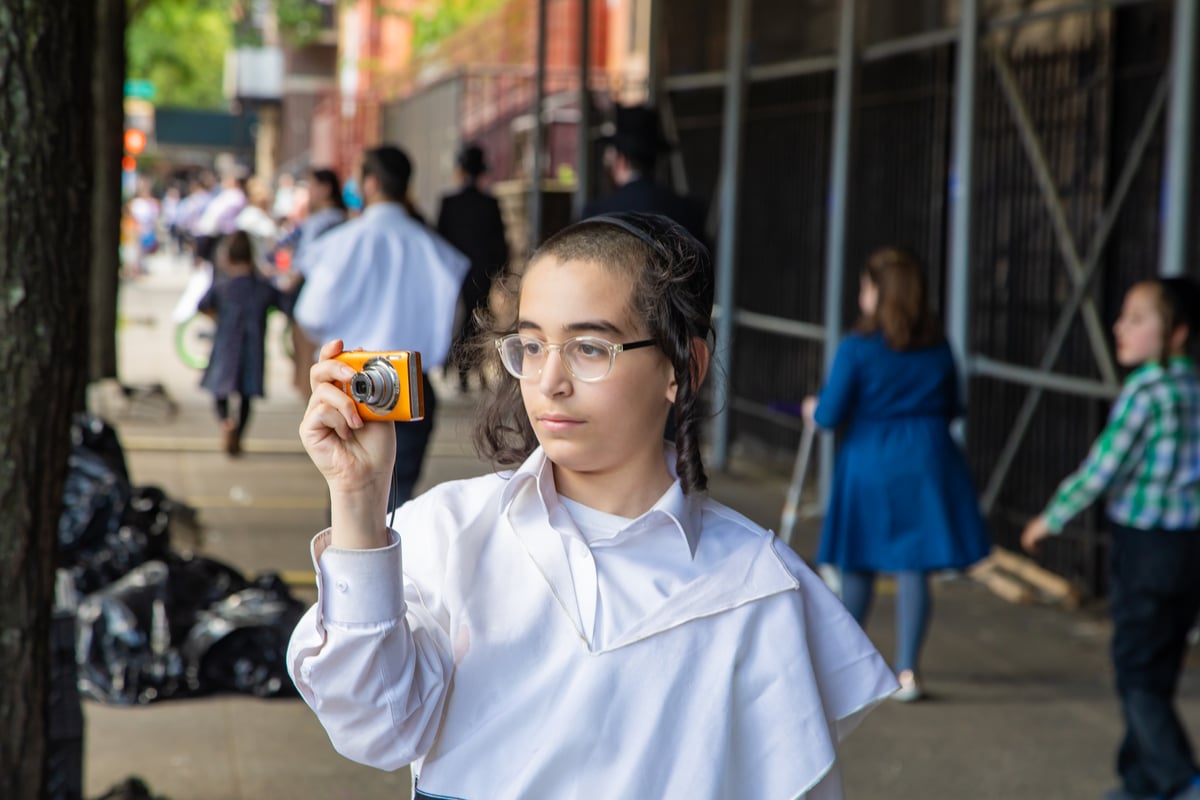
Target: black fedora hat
<point>471,160</point>
<point>636,133</point>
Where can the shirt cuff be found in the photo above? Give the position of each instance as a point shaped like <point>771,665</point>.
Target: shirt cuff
<point>359,587</point>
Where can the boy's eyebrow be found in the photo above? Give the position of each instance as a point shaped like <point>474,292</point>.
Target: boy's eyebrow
<point>588,326</point>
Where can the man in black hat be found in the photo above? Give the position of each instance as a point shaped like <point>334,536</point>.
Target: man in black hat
<point>470,220</point>
<point>630,155</point>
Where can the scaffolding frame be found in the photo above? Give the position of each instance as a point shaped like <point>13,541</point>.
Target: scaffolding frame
<point>976,49</point>
<point>969,35</point>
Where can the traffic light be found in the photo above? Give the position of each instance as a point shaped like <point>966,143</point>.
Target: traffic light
<point>135,141</point>
<point>128,163</point>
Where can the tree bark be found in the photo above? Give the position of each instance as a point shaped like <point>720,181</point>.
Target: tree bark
<point>108,82</point>
<point>45,215</point>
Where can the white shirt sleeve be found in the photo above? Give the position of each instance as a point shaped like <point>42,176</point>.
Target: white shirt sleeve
<point>373,665</point>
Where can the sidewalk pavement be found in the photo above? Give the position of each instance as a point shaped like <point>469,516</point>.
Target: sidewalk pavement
<point>1022,703</point>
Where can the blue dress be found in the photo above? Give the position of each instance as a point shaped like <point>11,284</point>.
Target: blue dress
<point>903,498</point>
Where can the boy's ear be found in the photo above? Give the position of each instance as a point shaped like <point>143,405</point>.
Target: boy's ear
<point>1179,339</point>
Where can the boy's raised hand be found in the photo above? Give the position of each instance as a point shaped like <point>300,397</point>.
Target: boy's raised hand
<point>1034,533</point>
<point>354,456</point>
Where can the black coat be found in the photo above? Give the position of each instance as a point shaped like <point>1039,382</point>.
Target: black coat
<point>645,195</point>
<point>470,220</point>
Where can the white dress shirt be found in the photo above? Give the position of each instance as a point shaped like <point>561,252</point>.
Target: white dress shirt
<point>383,281</point>
<point>687,654</point>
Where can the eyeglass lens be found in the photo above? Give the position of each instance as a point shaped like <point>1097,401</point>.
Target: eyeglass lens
<point>586,358</point>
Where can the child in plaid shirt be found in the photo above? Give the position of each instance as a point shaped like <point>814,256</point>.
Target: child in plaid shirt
<point>1147,460</point>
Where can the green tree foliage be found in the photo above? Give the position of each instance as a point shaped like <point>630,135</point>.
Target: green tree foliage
<point>299,20</point>
<point>180,45</point>
<point>441,18</point>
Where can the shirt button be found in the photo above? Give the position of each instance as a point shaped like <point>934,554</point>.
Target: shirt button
<point>342,586</point>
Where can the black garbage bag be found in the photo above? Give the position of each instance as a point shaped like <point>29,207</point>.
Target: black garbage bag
<point>240,643</point>
<point>94,499</point>
<point>183,626</point>
<point>114,556</point>
<point>64,726</point>
<point>90,432</point>
<point>123,643</point>
<point>104,552</point>
<point>132,788</point>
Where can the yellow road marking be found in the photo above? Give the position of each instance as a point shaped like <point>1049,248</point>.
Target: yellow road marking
<point>278,502</point>
<point>206,444</point>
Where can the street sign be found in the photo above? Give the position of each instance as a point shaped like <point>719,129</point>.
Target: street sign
<point>141,89</point>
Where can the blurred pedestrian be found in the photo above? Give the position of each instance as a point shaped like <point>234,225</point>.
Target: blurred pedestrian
<point>284,206</point>
<point>470,220</point>
<point>903,501</point>
<point>326,210</point>
<point>631,157</point>
<point>255,219</point>
<point>239,299</point>
<point>1147,461</point>
<point>588,622</point>
<point>144,208</point>
<point>191,209</point>
<point>383,281</point>
<point>219,217</point>
<point>170,217</point>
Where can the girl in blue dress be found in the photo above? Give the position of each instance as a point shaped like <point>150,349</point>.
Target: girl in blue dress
<point>903,500</point>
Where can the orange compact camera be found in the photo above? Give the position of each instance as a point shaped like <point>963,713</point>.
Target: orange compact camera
<point>386,386</point>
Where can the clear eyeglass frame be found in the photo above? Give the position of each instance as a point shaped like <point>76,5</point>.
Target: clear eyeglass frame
<point>589,366</point>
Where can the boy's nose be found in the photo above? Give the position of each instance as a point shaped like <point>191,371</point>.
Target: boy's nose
<point>554,379</point>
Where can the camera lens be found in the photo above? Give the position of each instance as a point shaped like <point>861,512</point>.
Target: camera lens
<point>362,387</point>
<point>376,386</point>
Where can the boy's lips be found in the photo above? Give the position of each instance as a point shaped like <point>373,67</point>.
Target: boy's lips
<point>558,421</point>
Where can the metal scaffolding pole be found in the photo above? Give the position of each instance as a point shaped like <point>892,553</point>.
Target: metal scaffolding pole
<point>1042,377</point>
<point>961,192</point>
<point>839,185</point>
<point>583,165</point>
<point>1096,331</point>
<point>733,117</point>
<point>1177,166</point>
<point>539,103</point>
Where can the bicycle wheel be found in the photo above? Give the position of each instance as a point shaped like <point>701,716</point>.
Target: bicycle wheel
<point>194,340</point>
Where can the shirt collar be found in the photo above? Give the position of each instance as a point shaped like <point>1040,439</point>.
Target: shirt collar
<point>1178,363</point>
<point>674,506</point>
<point>382,208</point>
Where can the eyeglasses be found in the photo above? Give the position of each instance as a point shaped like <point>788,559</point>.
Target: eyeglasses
<point>587,358</point>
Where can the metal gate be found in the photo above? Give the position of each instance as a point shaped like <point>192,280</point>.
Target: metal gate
<point>1068,172</point>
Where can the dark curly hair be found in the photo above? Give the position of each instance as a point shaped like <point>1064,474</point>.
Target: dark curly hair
<point>671,279</point>
<point>1178,301</point>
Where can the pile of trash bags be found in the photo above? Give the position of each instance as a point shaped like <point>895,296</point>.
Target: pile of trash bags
<point>152,623</point>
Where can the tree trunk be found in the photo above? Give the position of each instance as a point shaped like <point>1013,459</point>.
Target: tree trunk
<point>45,214</point>
<point>108,81</point>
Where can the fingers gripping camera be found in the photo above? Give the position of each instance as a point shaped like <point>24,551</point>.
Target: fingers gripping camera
<point>386,386</point>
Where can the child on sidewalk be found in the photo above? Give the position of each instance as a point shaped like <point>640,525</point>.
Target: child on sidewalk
<point>1147,459</point>
<point>903,501</point>
<point>240,299</point>
<point>587,623</point>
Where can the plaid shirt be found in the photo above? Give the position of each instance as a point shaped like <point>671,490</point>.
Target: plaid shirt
<point>1147,458</point>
